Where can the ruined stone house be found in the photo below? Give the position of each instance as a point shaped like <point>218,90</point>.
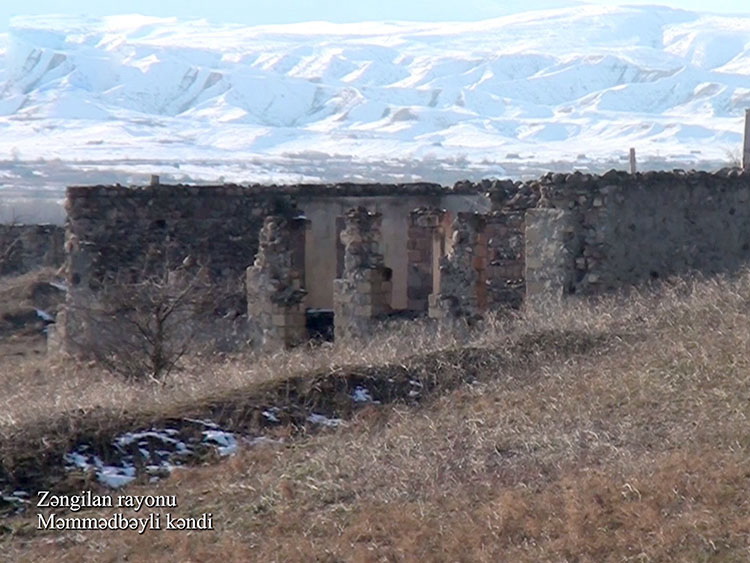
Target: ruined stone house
<point>363,252</point>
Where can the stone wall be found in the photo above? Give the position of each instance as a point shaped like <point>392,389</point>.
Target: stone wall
<point>128,231</point>
<point>123,234</point>
<point>552,246</point>
<point>505,232</point>
<point>461,292</point>
<point>627,229</point>
<point>219,225</point>
<point>27,247</point>
<point>394,203</point>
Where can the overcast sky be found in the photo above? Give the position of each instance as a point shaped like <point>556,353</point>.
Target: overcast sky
<point>257,12</point>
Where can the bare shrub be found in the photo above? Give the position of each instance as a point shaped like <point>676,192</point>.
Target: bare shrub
<point>142,329</point>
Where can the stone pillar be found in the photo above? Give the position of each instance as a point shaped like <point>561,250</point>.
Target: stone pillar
<point>364,290</point>
<point>551,247</point>
<point>746,146</point>
<point>275,292</point>
<point>424,227</point>
<point>462,271</point>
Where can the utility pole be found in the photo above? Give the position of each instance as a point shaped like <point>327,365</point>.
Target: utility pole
<point>746,149</point>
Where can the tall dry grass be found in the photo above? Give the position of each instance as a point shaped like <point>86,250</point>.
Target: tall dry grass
<point>637,450</point>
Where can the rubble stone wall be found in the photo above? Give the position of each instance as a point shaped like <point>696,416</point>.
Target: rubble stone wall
<point>632,228</point>
<point>504,284</point>
<point>127,231</point>
<point>219,225</point>
<point>467,249</point>
<point>552,245</point>
<point>462,271</point>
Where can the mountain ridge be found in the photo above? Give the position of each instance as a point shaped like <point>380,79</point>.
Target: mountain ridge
<point>553,84</point>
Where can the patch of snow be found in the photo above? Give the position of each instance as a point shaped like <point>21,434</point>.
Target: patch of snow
<point>270,414</point>
<point>226,442</point>
<point>142,439</point>
<point>114,476</point>
<point>361,395</point>
<point>157,450</point>
<point>45,316</point>
<point>324,420</point>
<point>110,475</point>
<point>415,392</point>
<point>18,499</point>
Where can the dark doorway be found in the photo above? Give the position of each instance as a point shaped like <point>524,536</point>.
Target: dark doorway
<point>319,323</point>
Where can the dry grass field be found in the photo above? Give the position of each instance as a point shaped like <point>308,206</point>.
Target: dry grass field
<point>614,430</point>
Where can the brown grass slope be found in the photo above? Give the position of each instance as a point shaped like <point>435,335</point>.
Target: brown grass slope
<point>610,431</point>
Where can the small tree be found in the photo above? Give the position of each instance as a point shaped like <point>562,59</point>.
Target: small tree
<point>141,329</point>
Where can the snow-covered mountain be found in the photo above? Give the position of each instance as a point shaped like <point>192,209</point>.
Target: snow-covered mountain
<point>569,84</point>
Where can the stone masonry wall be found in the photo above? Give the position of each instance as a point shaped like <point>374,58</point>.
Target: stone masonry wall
<point>462,271</point>
<point>551,249</point>
<point>126,231</point>
<point>505,231</point>
<point>217,225</point>
<point>117,235</point>
<point>585,233</point>
<point>634,228</point>
<point>26,247</point>
<point>363,292</point>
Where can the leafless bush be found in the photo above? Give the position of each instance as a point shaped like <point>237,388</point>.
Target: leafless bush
<point>141,329</point>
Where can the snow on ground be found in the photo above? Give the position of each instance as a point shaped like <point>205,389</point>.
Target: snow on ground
<point>157,451</point>
<point>361,395</point>
<point>45,316</point>
<point>323,420</point>
<point>586,80</point>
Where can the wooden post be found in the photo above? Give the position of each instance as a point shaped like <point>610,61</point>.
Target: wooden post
<point>746,149</point>
<point>632,160</point>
